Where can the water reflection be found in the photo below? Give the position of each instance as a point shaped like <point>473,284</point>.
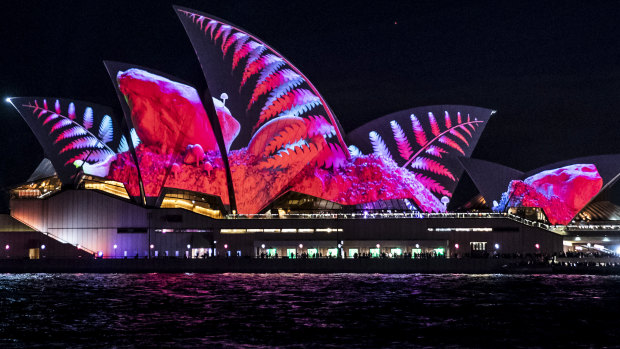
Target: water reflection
<point>290,310</point>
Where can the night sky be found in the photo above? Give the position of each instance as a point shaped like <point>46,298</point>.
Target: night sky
<point>550,69</point>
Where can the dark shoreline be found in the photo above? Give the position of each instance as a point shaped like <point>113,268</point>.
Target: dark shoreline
<point>317,266</point>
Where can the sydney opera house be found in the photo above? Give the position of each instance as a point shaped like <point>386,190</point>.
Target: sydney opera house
<point>258,164</point>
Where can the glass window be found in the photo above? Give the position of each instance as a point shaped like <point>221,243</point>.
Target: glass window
<point>375,252</point>
<point>290,252</point>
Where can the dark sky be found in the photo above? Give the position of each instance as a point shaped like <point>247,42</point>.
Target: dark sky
<point>550,69</point>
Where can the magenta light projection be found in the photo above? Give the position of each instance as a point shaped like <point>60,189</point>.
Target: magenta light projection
<point>174,141</point>
<point>77,136</point>
<point>285,123</point>
<point>561,192</point>
<point>423,142</point>
<point>278,134</point>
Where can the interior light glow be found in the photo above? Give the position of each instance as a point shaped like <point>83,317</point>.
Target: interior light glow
<point>618,250</point>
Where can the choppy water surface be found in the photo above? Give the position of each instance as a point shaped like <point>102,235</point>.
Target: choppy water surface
<point>294,310</point>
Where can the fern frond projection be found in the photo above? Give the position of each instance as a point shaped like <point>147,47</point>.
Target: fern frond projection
<point>241,51</point>
<point>317,125</point>
<point>404,148</point>
<point>458,135</point>
<point>72,132</point>
<point>134,137</point>
<point>60,124</point>
<point>418,131</point>
<point>330,156</point>
<point>378,146</point>
<point>447,120</point>
<point>432,185</point>
<point>299,154</point>
<point>293,103</point>
<point>355,151</point>
<point>106,129</point>
<point>71,139</point>
<point>289,135</point>
<point>87,119</point>
<point>258,65</point>
<point>50,118</point>
<point>427,147</point>
<point>238,38</point>
<point>71,111</point>
<point>433,166</point>
<point>451,143</point>
<point>94,156</point>
<point>434,125</point>
<point>441,143</point>
<point>123,146</point>
<point>436,151</point>
<point>223,31</point>
<point>284,88</point>
<point>271,82</point>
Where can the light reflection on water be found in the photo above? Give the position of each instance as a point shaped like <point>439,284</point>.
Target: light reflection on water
<point>292,310</point>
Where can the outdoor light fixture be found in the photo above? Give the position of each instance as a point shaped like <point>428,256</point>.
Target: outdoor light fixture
<point>225,245</point>
<point>43,247</point>
<point>378,246</point>
<point>537,246</point>
<point>417,245</point>
<point>189,246</point>
<point>577,238</point>
<point>78,246</point>
<point>456,245</point>
<point>497,246</point>
<point>300,246</point>
<point>262,246</point>
<point>8,99</point>
<point>606,239</point>
<point>7,247</point>
<point>100,253</point>
<point>115,246</point>
<point>339,245</point>
<point>152,246</point>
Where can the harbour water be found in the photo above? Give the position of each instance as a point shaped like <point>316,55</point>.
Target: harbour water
<point>316,310</point>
